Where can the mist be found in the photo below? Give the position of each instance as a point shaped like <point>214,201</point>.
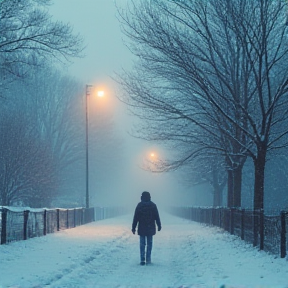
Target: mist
<point>116,172</point>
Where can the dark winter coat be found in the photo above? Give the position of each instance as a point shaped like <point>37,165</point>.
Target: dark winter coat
<point>146,214</point>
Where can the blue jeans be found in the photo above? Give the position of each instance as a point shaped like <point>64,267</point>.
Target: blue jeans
<point>143,241</point>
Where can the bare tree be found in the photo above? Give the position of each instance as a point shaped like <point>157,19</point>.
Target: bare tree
<point>26,165</point>
<point>29,36</point>
<point>212,65</point>
<point>184,89</point>
<point>56,101</point>
<point>29,39</point>
<point>53,114</point>
<point>51,110</point>
<point>263,35</point>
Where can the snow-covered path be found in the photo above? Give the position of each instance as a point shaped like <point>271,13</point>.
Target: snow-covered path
<point>106,254</point>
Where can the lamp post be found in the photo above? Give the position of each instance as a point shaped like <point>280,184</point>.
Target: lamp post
<point>87,147</point>
<point>99,94</point>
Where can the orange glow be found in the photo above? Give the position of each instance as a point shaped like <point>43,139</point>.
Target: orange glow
<point>101,102</point>
<point>152,154</point>
<point>100,93</point>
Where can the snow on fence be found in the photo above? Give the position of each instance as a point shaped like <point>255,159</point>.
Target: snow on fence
<point>21,224</point>
<point>267,232</point>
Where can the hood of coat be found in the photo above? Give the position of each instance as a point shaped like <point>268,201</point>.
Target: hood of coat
<point>145,196</point>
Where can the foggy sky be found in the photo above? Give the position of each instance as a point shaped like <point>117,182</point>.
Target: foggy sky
<point>106,54</point>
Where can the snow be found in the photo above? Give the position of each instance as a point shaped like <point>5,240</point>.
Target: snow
<point>21,209</point>
<point>106,254</point>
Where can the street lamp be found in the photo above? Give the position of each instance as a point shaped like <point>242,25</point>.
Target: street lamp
<point>87,148</point>
<point>100,93</point>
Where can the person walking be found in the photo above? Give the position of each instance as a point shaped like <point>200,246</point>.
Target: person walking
<point>145,216</point>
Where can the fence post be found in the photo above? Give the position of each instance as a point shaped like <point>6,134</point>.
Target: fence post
<point>255,228</point>
<point>261,228</point>
<point>283,235</point>
<point>83,216</point>
<point>3,225</point>
<point>242,224</point>
<point>93,216</point>
<point>25,224</point>
<point>67,220</point>
<point>44,222</point>
<point>220,217</point>
<point>74,217</point>
<point>58,219</point>
<point>232,210</point>
<point>226,219</point>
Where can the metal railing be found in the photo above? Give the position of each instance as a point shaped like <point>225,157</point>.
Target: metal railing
<point>267,232</point>
<point>17,224</point>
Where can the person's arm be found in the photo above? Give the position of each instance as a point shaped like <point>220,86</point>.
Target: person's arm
<point>157,219</point>
<point>135,220</point>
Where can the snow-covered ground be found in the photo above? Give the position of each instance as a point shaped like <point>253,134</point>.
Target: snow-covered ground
<point>106,254</point>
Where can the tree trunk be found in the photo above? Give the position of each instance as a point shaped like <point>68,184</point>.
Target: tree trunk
<point>237,186</point>
<point>259,167</point>
<point>218,187</point>
<point>4,198</point>
<point>230,185</point>
<point>217,197</point>
<point>234,187</point>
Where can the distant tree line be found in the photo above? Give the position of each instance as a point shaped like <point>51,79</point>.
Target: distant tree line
<point>211,81</point>
<point>38,132</point>
<point>42,111</point>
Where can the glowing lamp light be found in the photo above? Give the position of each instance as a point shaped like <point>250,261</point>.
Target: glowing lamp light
<point>100,93</point>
